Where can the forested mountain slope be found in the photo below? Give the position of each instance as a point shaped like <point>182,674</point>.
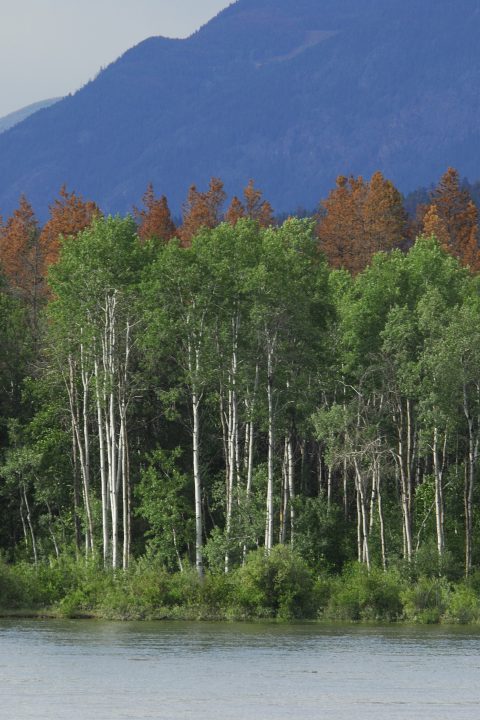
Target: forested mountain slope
<point>13,118</point>
<point>290,93</point>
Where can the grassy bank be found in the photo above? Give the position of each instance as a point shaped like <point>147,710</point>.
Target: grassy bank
<point>280,586</point>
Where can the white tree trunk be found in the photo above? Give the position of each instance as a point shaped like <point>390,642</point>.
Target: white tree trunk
<point>291,486</point>
<point>271,451</point>
<point>103,470</point>
<point>197,484</point>
<point>439,508</point>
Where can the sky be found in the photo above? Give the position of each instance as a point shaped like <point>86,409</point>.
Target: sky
<point>49,48</point>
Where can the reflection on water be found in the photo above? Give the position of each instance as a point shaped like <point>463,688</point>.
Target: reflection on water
<point>85,670</point>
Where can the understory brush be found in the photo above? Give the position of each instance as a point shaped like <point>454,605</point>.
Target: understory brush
<point>279,586</point>
<point>361,595</point>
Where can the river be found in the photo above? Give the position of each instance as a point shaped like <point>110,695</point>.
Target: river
<point>90,670</point>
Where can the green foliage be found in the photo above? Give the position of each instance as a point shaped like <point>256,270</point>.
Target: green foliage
<point>278,584</point>
<point>14,591</point>
<point>428,564</point>
<point>372,382</point>
<point>427,600</point>
<point>320,533</point>
<point>362,595</point>
<point>163,500</point>
<point>25,586</point>
<point>463,605</point>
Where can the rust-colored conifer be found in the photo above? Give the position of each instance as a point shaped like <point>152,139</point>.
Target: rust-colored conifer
<point>385,218</point>
<point>359,219</point>
<point>253,207</point>
<point>256,207</point>
<point>202,210</point>
<point>340,230</point>
<point>69,215</point>
<point>155,220</point>
<point>434,225</point>
<point>21,258</point>
<point>453,218</point>
<point>235,212</point>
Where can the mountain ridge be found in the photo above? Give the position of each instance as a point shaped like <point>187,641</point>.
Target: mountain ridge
<point>8,121</point>
<point>389,85</point>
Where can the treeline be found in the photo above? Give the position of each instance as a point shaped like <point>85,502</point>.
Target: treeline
<point>192,394</point>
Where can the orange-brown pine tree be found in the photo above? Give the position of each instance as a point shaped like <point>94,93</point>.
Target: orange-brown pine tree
<point>235,212</point>
<point>202,210</point>
<point>21,258</point>
<point>360,219</point>
<point>453,218</point>
<point>254,207</point>
<point>434,225</point>
<point>69,215</point>
<point>340,230</point>
<point>155,220</point>
<point>385,218</point>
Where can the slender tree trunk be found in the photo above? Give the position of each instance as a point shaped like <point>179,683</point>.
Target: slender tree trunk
<point>85,375</point>
<point>80,428</point>
<point>329,488</point>
<point>251,431</point>
<point>125,465</point>
<point>177,553</point>
<point>405,480</point>
<point>30,526</point>
<point>103,469</point>
<point>198,484</point>
<point>232,444</point>
<point>380,514</point>
<point>469,483</point>
<point>112,478</point>
<point>250,404</point>
<point>359,524</point>
<point>291,486</point>
<point>271,450</point>
<point>110,419</point>
<point>50,530</point>
<point>438,472</point>
<point>363,545</point>
<point>75,469</point>
<point>373,497</point>
<point>22,518</point>
<point>282,535</point>
<point>345,489</point>
<point>194,344</point>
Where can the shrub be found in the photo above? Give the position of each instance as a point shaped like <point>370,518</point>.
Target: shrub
<point>217,592</point>
<point>73,604</point>
<point>363,595</point>
<point>13,589</point>
<point>427,563</point>
<point>427,600</point>
<point>185,588</point>
<point>277,584</point>
<point>322,592</point>
<point>463,606</point>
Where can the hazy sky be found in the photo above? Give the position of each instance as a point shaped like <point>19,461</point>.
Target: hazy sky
<point>49,48</point>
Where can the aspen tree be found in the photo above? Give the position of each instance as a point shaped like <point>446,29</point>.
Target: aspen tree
<point>94,322</point>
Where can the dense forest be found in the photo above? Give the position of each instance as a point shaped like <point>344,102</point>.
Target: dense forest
<point>234,398</point>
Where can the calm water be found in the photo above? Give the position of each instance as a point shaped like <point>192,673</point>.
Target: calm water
<point>87,670</point>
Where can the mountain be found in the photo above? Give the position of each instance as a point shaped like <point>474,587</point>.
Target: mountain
<point>8,121</point>
<point>291,93</point>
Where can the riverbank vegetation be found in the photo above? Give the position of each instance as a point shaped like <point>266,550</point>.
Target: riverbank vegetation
<point>239,418</point>
<point>278,586</point>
